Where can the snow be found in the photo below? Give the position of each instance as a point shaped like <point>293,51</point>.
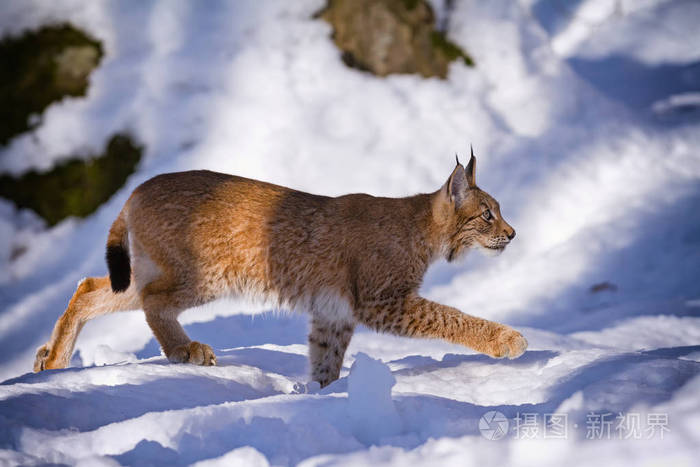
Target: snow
<point>371,411</point>
<point>584,120</point>
<point>241,457</point>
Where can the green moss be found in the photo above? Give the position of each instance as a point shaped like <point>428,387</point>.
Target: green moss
<point>410,4</point>
<point>76,187</point>
<point>451,50</point>
<point>39,68</point>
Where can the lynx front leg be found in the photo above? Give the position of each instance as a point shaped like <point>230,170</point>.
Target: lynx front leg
<point>418,317</point>
<point>327,344</point>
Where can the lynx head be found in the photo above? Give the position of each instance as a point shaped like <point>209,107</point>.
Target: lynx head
<point>470,216</point>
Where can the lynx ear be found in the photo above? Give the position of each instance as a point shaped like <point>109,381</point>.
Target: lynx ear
<point>471,170</point>
<point>456,186</point>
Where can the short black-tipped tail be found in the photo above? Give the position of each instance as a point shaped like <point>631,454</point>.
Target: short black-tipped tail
<point>119,268</point>
<point>118,262</point>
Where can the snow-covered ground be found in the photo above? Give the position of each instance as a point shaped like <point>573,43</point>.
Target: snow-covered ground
<point>585,119</point>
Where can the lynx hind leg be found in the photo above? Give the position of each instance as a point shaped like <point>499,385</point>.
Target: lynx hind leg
<point>327,344</point>
<point>92,298</point>
<point>193,352</point>
<point>42,355</point>
<point>162,310</point>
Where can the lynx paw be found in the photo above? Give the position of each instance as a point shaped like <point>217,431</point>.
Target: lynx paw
<point>193,352</point>
<point>508,343</point>
<point>42,354</point>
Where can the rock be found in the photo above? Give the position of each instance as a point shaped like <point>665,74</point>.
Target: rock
<point>603,287</point>
<point>39,68</point>
<point>391,36</point>
<point>76,187</point>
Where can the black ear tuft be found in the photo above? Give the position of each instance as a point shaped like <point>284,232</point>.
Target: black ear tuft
<point>470,171</point>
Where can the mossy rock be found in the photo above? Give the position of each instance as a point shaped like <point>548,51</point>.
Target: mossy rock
<point>39,68</point>
<point>76,187</point>
<point>391,36</point>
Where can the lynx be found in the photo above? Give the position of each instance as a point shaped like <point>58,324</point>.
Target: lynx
<point>184,239</point>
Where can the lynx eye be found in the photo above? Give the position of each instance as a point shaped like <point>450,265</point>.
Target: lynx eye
<point>487,215</point>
